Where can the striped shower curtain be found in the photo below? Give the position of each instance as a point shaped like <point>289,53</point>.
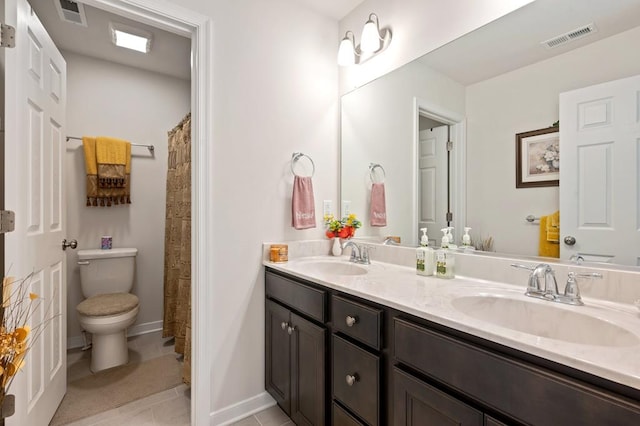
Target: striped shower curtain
<point>177,247</point>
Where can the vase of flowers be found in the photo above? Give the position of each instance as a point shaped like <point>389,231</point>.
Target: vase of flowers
<point>342,229</point>
<point>16,335</point>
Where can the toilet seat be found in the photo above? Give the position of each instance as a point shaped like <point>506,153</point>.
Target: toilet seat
<point>108,304</point>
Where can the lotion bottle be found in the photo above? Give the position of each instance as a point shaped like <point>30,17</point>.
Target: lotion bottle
<point>425,259</point>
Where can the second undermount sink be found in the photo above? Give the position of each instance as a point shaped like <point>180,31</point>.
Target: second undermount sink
<point>334,268</point>
<point>545,320</point>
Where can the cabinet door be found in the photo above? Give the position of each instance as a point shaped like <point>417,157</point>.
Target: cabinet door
<point>277,354</point>
<point>308,346</point>
<point>418,404</point>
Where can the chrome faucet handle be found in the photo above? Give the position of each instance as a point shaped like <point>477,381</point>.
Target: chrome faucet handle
<point>365,259</point>
<point>533,285</point>
<point>571,289</point>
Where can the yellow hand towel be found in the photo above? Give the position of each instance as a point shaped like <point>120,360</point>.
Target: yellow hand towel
<point>547,248</point>
<point>116,181</point>
<point>112,156</point>
<point>553,227</point>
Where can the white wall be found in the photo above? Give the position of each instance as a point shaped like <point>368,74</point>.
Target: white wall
<point>378,127</point>
<point>519,101</point>
<point>105,98</point>
<point>418,27</point>
<point>275,88</point>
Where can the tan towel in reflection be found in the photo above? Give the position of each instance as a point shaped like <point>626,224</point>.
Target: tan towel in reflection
<point>114,185</point>
<point>547,248</point>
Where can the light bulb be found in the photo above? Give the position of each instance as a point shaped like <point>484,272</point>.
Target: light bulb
<point>346,52</point>
<point>370,36</point>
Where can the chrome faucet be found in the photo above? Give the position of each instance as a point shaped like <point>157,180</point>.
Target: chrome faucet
<point>549,291</point>
<point>359,254</point>
<point>390,241</point>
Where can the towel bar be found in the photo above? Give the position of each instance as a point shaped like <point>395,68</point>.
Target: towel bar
<point>151,148</point>
<point>296,156</point>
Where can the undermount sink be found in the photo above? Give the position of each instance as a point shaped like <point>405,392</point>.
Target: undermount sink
<point>334,268</point>
<point>545,320</point>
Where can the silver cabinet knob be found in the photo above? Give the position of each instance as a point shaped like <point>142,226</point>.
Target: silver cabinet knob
<point>291,329</point>
<point>352,379</point>
<point>72,243</point>
<point>569,240</point>
<point>351,320</point>
<point>284,325</point>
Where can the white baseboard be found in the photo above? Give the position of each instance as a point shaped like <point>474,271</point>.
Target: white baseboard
<point>135,330</point>
<point>242,409</point>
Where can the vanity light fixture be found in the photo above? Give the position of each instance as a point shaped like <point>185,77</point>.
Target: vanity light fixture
<point>347,51</point>
<point>371,35</point>
<point>130,38</point>
<point>372,43</point>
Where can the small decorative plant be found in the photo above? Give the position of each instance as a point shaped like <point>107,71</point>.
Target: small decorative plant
<point>16,335</point>
<point>344,228</point>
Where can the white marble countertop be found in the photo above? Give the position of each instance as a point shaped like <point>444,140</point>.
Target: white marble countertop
<point>436,300</point>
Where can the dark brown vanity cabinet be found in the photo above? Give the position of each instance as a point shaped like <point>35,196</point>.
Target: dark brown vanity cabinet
<point>353,362</point>
<point>295,371</point>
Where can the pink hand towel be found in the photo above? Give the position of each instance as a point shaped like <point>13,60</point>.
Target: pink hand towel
<point>303,210</point>
<point>378,211</point>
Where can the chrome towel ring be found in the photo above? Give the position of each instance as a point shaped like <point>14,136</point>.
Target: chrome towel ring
<point>297,156</point>
<point>372,172</point>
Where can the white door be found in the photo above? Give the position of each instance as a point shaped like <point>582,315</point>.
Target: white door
<point>35,97</point>
<point>432,182</point>
<point>600,128</point>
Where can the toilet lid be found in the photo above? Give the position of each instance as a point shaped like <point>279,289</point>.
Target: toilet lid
<point>107,304</point>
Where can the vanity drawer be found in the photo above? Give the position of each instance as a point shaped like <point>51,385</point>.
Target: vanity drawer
<point>342,418</point>
<point>305,299</point>
<point>356,379</point>
<point>356,320</point>
<point>531,394</point>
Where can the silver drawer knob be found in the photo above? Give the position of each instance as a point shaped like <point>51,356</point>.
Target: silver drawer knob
<point>351,320</point>
<point>290,329</point>
<point>284,325</point>
<point>352,379</point>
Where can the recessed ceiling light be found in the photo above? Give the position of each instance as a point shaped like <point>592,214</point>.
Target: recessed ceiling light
<point>130,38</point>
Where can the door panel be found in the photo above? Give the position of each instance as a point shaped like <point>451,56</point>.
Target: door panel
<point>35,102</point>
<point>600,127</point>
<point>277,354</point>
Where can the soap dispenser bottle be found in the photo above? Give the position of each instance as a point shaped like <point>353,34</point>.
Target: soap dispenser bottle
<point>451,245</point>
<point>425,258</point>
<point>466,238</point>
<point>445,261</point>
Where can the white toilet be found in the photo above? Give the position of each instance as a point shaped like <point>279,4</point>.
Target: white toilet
<point>106,278</point>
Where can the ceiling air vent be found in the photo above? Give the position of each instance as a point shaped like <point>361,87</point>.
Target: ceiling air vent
<point>583,31</point>
<point>72,12</point>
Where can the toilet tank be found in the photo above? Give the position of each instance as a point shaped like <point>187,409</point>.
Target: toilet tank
<point>107,271</point>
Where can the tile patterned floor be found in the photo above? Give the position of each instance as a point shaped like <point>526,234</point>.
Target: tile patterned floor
<point>171,407</point>
<point>272,416</point>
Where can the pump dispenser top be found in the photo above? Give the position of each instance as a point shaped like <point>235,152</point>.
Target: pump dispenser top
<point>424,240</point>
<point>466,238</point>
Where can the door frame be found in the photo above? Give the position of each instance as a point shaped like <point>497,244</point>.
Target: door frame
<point>457,171</point>
<point>199,28</point>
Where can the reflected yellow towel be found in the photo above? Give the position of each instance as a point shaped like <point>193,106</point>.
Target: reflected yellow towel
<point>90,164</point>
<point>553,227</point>
<point>547,248</point>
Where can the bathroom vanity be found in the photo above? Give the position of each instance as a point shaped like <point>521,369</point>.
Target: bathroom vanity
<point>376,345</point>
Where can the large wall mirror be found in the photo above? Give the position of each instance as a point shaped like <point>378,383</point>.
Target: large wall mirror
<point>479,91</point>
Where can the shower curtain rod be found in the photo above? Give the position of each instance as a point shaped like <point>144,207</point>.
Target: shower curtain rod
<point>151,148</point>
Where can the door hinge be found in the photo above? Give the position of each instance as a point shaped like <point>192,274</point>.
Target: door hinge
<point>450,146</point>
<point>7,221</point>
<point>7,36</point>
<point>449,217</point>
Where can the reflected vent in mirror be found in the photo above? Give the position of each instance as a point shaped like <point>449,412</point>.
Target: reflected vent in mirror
<point>72,12</point>
<point>583,31</point>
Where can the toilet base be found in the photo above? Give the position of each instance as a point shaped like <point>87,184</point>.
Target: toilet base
<point>109,350</point>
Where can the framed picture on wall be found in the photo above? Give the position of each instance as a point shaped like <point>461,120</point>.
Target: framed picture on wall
<point>538,158</point>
